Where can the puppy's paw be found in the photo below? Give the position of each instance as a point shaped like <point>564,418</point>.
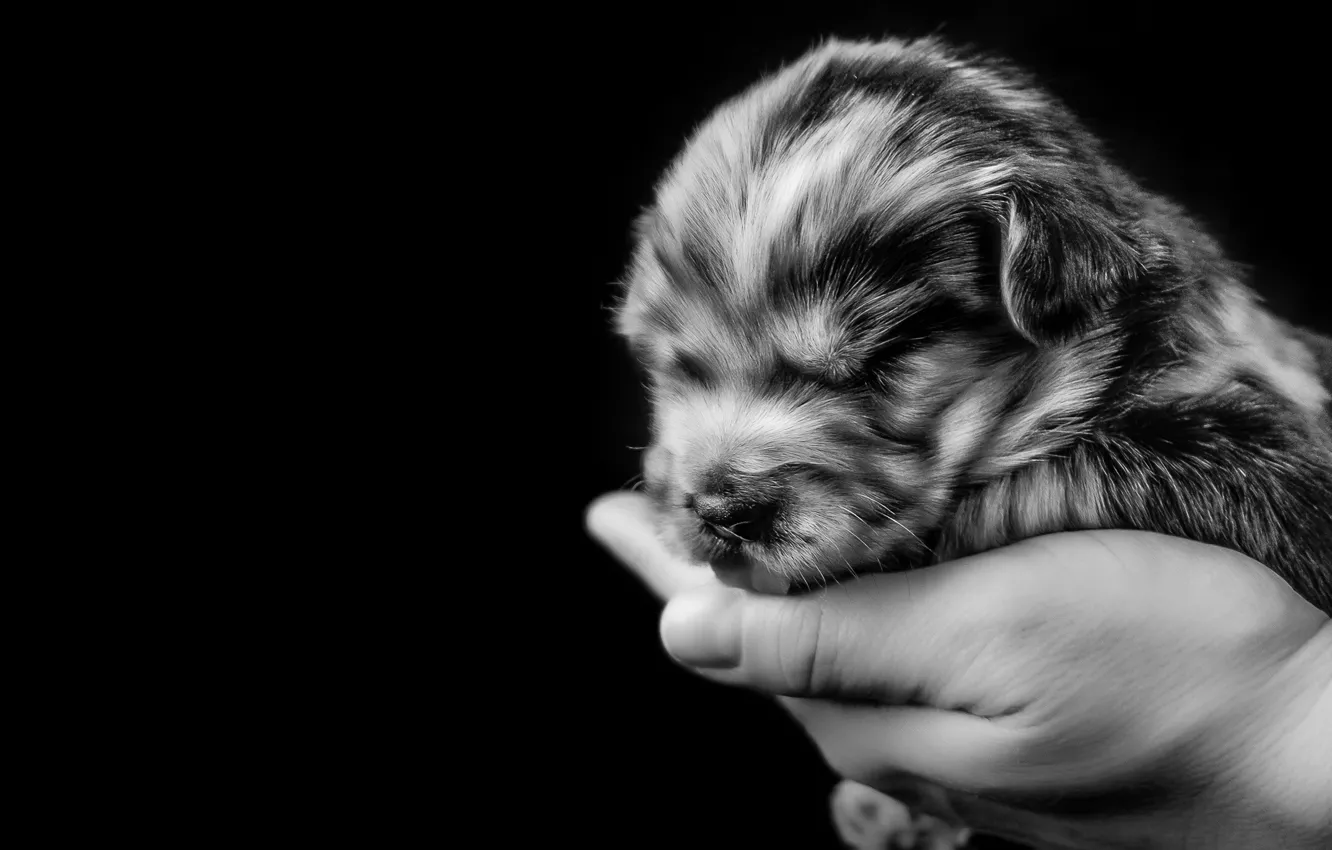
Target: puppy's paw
<point>867,819</point>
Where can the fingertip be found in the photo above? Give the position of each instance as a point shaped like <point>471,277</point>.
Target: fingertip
<point>627,526</point>
<point>610,515</point>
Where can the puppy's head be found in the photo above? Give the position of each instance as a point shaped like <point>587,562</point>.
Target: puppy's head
<point>836,292</point>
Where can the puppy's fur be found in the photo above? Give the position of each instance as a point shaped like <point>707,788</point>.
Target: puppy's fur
<point>897,298</point>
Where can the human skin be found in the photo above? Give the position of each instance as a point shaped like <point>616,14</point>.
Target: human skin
<point>1097,689</point>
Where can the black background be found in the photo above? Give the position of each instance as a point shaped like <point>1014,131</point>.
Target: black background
<point>1220,111</point>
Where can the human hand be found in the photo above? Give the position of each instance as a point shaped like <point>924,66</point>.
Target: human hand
<point>1088,689</point>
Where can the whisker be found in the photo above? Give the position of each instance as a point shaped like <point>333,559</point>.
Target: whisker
<point>888,515</point>
<point>850,569</point>
<point>859,540</point>
<point>730,529</point>
<point>912,533</point>
<point>887,511</point>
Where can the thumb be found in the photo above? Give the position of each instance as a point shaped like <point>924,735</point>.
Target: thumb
<point>890,638</point>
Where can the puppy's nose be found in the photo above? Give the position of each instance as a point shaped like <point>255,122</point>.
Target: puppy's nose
<point>733,518</point>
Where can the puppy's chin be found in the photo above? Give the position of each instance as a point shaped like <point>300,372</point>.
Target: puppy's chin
<point>735,567</point>
<point>735,564</point>
<point>776,567</point>
<point>755,578</point>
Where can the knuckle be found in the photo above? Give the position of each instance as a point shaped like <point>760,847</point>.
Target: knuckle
<point>807,648</point>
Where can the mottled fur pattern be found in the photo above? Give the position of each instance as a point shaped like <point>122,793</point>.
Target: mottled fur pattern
<point>895,296</point>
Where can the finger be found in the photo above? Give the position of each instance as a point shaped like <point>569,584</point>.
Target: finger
<point>939,762</point>
<point>626,524</point>
<point>956,807</point>
<point>890,638</point>
<point>875,744</point>
<point>866,818</point>
<point>950,764</point>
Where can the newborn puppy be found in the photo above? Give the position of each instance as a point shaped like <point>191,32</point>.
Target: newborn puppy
<point>896,307</point>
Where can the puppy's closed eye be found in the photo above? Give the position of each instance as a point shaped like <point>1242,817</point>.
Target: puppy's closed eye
<point>692,369</point>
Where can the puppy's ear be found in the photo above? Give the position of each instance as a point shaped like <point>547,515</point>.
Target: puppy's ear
<point>1063,262</point>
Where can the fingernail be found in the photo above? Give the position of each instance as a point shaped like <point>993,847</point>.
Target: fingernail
<point>702,628</point>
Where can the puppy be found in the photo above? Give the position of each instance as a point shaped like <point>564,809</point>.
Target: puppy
<point>896,307</point>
